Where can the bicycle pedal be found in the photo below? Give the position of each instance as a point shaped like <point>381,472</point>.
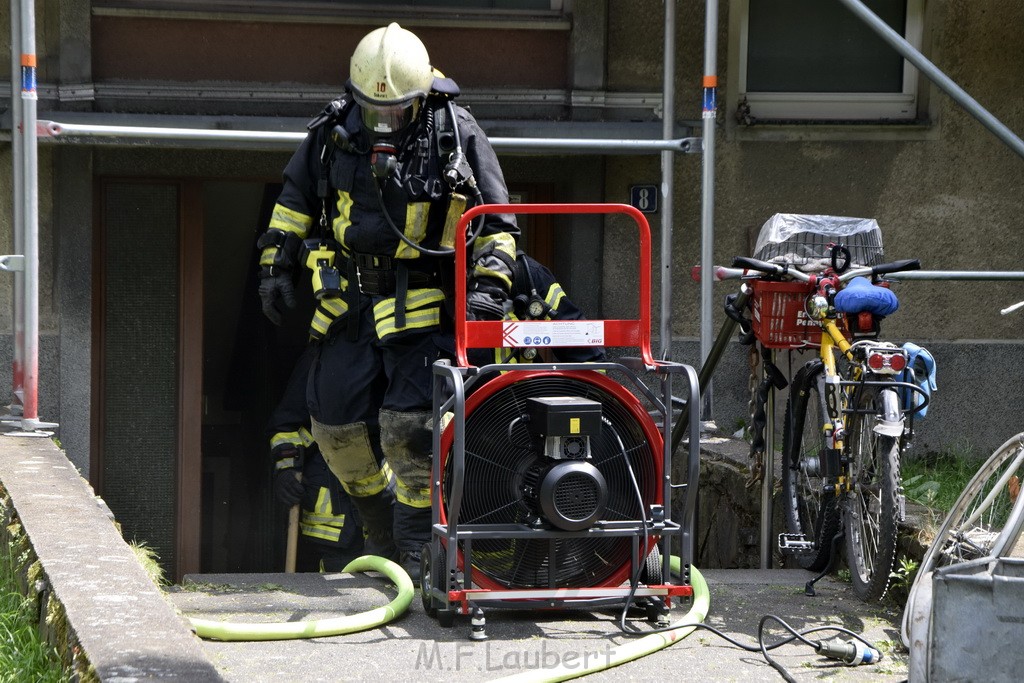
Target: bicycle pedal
<point>795,544</point>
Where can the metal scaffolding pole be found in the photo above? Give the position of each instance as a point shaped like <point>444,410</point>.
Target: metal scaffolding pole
<point>17,216</point>
<point>28,258</point>
<point>668,118</point>
<point>30,212</point>
<point>707,222</point>
<point>935,75</point>
<point>60,132</point>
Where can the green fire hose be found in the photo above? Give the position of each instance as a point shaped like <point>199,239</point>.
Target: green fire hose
<point>237,631</point>
<point>635,649</point>
<point>333,626</point>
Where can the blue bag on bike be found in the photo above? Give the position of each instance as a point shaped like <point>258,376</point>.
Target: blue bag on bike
<point>920,370</point>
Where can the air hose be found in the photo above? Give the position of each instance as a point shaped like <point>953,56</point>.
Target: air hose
<point>636,649</point>
<point>333,626</point>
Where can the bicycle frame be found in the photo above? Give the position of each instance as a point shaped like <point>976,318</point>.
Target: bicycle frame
<point>839,395</point>
<point>846,485</point>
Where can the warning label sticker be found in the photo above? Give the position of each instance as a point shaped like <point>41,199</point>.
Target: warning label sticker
<point>553,333</point>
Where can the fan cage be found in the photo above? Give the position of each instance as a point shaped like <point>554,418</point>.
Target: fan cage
<point>498,453</point>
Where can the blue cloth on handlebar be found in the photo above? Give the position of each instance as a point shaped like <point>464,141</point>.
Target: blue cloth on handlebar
<point>860,295</point>
<point>920,371</point>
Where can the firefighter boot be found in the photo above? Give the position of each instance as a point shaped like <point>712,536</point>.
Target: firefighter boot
<point>412,531</point>
<point>406,440</point>
<point>377,515</point>
<point>350,457</point>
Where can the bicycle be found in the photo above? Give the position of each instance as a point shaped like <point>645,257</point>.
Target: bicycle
<point>985,522</point>
<point>844,425</point>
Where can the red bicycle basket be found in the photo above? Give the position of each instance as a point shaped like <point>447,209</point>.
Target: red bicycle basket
<point>778,315</point>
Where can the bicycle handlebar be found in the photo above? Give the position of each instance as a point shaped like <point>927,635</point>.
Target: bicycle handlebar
<point>896,266</point>
<point>741,264</point>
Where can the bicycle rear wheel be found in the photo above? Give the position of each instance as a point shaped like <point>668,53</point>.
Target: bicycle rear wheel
<point>872,505</point>
<point>985,521</point>
<point>810,511</point>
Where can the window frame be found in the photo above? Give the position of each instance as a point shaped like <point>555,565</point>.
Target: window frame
<point>816,107</point>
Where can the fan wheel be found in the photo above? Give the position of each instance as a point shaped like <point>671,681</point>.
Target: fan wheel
<point>501,457</point>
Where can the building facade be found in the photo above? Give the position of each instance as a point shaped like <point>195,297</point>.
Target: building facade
<point>155,359</point>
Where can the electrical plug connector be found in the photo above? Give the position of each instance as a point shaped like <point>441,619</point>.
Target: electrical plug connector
<point>851,652</point>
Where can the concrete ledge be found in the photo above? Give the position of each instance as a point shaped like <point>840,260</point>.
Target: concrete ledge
<point>729,511</point>
<point>98,606</point>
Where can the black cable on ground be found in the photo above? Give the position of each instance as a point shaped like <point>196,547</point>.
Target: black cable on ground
<point>855,651</point>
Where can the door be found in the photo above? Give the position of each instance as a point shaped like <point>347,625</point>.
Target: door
<point>148,285</point>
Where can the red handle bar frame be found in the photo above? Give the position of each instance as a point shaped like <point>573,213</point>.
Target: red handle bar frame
<point>491,333</point>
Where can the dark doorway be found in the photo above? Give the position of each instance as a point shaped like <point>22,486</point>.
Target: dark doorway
<point>248,361</point>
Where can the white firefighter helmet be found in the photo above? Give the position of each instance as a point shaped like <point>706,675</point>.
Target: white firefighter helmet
<point>389,75</point>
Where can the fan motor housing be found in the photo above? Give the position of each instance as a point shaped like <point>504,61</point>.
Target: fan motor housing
<point>570,494</point>
<point>562,425</point>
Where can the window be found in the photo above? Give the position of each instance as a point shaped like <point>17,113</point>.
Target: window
<point>808,60</point>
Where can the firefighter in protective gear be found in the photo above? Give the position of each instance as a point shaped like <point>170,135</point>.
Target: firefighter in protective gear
<point>330,532</point>
<point>369,202</point>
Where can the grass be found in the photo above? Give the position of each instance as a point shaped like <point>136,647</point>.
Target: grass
<point>24,656</point>
<point>936,481</point>
<point>150,562</point>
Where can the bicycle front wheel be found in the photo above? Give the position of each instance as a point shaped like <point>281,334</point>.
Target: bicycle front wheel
<point>872,504</point>
<point>811,511</point>
<point>985,521</point>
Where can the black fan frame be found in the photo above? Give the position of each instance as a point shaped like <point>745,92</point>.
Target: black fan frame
<point>499,450</point>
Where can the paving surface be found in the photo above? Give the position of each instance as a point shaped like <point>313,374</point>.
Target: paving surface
<point>414,647</point>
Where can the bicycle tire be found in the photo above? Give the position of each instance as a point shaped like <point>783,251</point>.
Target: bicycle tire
<point>809,510</point>
<point>872,506</point>
<point>990,532</point>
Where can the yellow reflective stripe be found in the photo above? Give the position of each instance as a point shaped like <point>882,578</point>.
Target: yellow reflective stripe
<point>344,218</point>
<point>417,314</point>
<point>368,486</point>
<point>415,229</point>
<point>284,463</point>
<point>307,438</point>
<point>326,313</point>
<point>496,274</point>
<point>430,317</point>
<point>335,305</point>
<point>289,220</point>
<point>456,207</point>
<point>323,500</point>
<point>329,520</point>
<point>319,324</point>
<point>503,242</point>
<point>415,298</point>
<point>416,498</point>
<point>554,296</point>
<point>327,533</point>
<point>322,516</point>
<point>267,256</point>
<point>285,438</point>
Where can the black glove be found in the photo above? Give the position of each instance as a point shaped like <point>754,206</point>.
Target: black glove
<point>277,293</point>
<point>485,301</point>
<point>288,486</point>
